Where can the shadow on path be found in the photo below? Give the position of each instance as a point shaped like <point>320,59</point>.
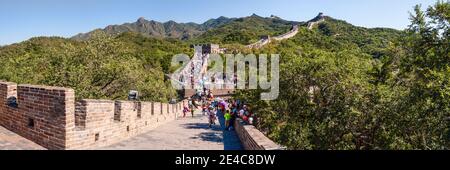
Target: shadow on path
<point>230,138</point>
<point>200,126</point>
<point>183,134</point>
<point>213,135</point>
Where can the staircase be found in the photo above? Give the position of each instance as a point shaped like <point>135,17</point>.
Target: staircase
<point>190,77</point>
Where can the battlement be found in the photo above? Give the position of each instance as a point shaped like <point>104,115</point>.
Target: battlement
<point>267,39</point>
<point>208,48</point>
<point>290,34</point>
<point>50,117</point>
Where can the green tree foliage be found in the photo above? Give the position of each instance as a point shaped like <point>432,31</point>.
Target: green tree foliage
<point>341,86</point>
<point>346,87</point>
<point>425,76</point>
<point>245,30</point>
<point>102,67</point>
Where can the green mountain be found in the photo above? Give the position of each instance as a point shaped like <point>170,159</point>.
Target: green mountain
<point>170,29</point>
<point>106,63</point>
<point>219,30</point>
<point>372,40</point>
<point>344,87</point>
<point>341,86</point>
<point>246,30</point>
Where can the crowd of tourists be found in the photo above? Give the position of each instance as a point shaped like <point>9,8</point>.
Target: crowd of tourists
<point>228,109</point>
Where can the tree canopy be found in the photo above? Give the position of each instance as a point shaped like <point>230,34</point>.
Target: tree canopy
<point>346,87</point>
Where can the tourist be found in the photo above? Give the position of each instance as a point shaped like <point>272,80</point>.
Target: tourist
<point>210,95</point>
<point>213,79</point>
<point>235,79</point>
<point>212,116</point>
<point>222,106</point>
<point>241,112</point>
<point>191,104</point>
<point>246,114</point>
<point>199,93</point>
<point>250,120</point>
<point>227,117</point>
<point>232,119</point>
<point>181,78</point>
<point>185,110</point>
<point>192,81</point>
<point>234,108</point>
<point>204,107</point>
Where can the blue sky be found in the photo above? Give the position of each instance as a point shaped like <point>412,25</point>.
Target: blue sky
<point>23,19</point>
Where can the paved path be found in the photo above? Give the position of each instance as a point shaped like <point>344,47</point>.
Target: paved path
<point>12,141</point>
<point>183,134</point>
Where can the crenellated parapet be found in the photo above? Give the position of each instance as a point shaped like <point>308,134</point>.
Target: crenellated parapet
<point>50,117</point>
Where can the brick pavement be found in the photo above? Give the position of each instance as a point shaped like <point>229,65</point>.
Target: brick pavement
<point>183,134</point>
<point>11,141</point>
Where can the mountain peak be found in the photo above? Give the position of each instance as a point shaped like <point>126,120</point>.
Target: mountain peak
<point>141,20</point>
<point>254,15</point>
<point>172,29</point>
<point>171,22</point>
<point>222,17</point>
<point>320,14</point>
<point>274,17</point>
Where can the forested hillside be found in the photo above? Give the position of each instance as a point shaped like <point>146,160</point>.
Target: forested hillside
<point>345,87</point>
<point>341,86</point>
<point>246,30</point>
<point>102,67</point>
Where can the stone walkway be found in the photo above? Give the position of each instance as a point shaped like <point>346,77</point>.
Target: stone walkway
<point>183,134</point>
<point>12,141</point>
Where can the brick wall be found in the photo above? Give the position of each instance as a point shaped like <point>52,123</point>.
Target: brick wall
<point>50,117</point>
<point>41,115</point>
<point>103,122</point>
<point>253,139</point>
<point>222,92</point>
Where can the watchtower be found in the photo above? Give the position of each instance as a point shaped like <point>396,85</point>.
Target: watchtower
<point>208,48</point>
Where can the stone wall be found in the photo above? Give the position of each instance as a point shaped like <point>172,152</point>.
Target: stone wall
<point>43,114</point>
<point>253,139</point>
<point>217,92</point>
<point>288,35</point>
<point>259,44</point>
<point>267,39</point>
<point>50,117</point>
<point>315,21</point>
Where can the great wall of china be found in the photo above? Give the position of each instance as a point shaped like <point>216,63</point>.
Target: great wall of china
<point>267,39</point>
<point>50,116</point>
<point>315,21</point>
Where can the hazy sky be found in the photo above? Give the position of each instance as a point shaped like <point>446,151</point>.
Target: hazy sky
<point>23,19</point>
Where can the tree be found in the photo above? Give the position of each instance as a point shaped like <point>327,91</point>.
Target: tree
<point>425,75</point>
